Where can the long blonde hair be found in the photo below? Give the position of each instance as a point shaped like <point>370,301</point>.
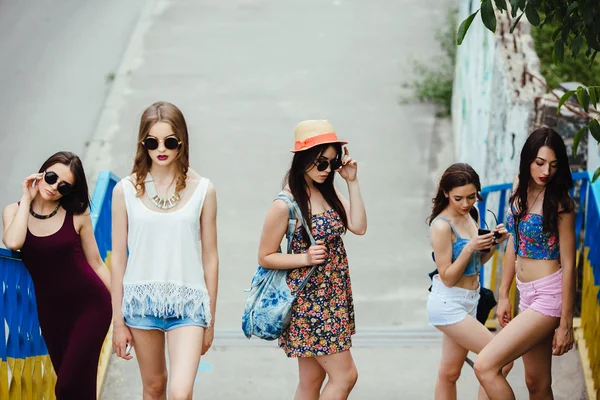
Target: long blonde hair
<point>161,112</point>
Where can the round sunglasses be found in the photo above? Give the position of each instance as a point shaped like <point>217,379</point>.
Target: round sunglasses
<point>63,188</point>
<point>151,143</point>
<point>322,165</point>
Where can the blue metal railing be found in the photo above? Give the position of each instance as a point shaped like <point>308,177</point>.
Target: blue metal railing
<point>25,370</point>
<point>579,192</point>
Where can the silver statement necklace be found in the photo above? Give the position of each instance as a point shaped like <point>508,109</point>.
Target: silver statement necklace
<point>159,202</point>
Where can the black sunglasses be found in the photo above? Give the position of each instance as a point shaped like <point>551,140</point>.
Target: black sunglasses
<point>322,165</point>
<point>151,143</point>
<point>63,188</point>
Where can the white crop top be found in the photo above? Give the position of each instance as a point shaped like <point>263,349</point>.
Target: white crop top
<point>164,275</point>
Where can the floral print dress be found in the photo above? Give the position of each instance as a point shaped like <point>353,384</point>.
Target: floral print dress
<point>322,317</point>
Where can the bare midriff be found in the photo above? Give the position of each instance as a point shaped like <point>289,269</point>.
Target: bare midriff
<point>470,282</point>
<point>529,270</point>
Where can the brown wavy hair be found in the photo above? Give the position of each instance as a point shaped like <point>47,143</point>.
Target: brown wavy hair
<point>161,112</point>
<point>456,175</point>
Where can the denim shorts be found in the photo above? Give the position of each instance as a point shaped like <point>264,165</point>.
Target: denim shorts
<point>150,322</point>
<point>543,295</point>
<point>450,305</point>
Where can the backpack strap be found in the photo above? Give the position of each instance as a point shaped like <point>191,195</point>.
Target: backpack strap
<point>294,211</point>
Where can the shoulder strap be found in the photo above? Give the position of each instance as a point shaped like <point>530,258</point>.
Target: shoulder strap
<point>294,210</point>
<point>451,227</point>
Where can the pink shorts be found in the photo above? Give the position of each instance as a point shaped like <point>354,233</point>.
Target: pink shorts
<point>543,295</point>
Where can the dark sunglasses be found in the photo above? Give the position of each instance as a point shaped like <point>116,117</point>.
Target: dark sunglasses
<point>336,163</point>
<point>63,188</point>
<point>151,143</point>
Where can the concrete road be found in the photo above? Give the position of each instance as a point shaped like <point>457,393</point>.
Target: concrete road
<point>244,72</point>
<point>55,57</point>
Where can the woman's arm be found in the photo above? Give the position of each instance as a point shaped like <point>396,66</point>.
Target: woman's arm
<point>90,248</point>
<point>355,208</point>
<point>441,241</point>
<point>118,263</point>
<point>210,259</point>
<point>274,228</point>
<point>563,338</point>
<point>503,311</point>
<point>210,254</point>
<point>15,216</point>
<point>14,219</point>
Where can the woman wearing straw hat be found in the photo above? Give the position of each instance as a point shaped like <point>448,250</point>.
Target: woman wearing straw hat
<point>322,318</point>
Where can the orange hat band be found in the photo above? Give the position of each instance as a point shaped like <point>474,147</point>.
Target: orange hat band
<point>315,140</point>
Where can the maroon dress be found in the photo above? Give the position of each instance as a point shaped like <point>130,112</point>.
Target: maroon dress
<point>73,305</point>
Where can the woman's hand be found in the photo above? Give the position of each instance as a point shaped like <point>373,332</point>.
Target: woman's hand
<point>29,191</point>
<point>481,242</point>
<point>500,229</point>
<point>122,337</point>
<point>563,339</point>
<point>209,334</point>
<point>349,167</point>
<point>503,312</point>
<point>316,254</point>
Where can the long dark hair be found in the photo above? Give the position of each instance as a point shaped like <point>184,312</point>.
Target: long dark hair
<point>557,189</point>
<point>456,175</point>
<point>77,201</point>
<point>303,161</point>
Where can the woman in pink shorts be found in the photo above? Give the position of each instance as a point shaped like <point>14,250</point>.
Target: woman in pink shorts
<point>541,222</point>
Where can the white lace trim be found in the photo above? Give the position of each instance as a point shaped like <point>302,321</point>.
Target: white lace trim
<point>161,299</point>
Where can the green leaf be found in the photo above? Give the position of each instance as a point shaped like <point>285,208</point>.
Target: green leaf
<point>559,51</point>
<point>487,15</point>
<point>593,97</point>
<point>595,129</point>
<point>532,15</point>
<point>563,99</point>
<point>596,175</point>
<point>593,57</point>
<point>514,7</point>
<point>576,45</point>
<point>521,4</point>
<point>512,28</point>
<point>583,98</point>
<point>577,139</point>
<point>501,4</point>
<point>572,7</point>
<point>548,19</point>
<point>464,27</point>
<point>556,32</point>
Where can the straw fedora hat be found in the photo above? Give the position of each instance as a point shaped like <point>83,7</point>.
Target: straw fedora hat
<point>312,133</point>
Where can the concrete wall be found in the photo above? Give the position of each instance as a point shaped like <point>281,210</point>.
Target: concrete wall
<point>493,106</point>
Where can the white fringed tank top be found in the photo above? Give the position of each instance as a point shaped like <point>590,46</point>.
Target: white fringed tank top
<point>164,275</point>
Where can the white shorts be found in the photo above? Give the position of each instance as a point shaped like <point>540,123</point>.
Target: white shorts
<point>450,305</point>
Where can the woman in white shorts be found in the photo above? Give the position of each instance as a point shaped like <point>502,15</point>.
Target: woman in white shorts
<point>459,253</point>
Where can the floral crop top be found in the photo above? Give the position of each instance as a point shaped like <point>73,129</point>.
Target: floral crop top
<point>533,243</point>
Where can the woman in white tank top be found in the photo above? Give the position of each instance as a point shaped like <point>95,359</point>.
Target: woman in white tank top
<point>164,257</point>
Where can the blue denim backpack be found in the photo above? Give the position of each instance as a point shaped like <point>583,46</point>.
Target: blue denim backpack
<point>269,303</point>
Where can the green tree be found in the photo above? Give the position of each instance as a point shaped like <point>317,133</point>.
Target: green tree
<point>577,30</point>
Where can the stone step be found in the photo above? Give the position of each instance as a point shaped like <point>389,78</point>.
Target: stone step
<point>364,338</point>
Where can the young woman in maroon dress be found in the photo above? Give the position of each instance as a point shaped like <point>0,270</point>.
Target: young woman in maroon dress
<point>52,227</point>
